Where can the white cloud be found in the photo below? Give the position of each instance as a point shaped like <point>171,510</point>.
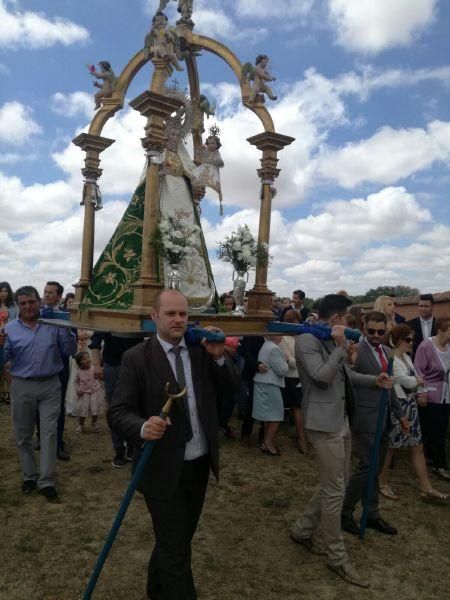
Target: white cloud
<point>388,156</point>
<point>370,26</point>
<point>72,105</point>
<point>35,30</point>
<point>264,9</point>
<point>53,250</point>
<point>16,123</point>
<point>317,253</point>
<point>122,163</point>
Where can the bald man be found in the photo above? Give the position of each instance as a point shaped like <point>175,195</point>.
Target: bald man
<point>175,480</point>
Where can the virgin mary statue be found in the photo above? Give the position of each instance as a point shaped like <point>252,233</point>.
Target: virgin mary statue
<point>178,175</point>
<point>118,267</point>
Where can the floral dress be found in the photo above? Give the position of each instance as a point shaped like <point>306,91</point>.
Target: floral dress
<point>406,389</point>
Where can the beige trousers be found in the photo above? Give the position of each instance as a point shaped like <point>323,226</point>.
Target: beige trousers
<point>321,519</point>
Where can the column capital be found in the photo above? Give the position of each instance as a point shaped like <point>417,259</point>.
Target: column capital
<point>270,141</point>
<point>156,107</point>
<point>92,143</point>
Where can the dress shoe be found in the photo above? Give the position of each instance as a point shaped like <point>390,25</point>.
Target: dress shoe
<point>307,543</point>
<point>349,574</point>
<point>62,454</point>
<point>49,492</point>
<point>28,486</point>
<point>380,525</point>
<point>349,524</point>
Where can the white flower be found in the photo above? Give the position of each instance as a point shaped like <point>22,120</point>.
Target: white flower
<point>246,253</point>
<point>236,246</point>
<point>177,234</point>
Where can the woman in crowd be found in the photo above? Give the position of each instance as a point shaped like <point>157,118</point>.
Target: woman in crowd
<point>292,391</point>
<point>8,312</point>
<point>68,300</point>
<point>432,362</point>
<point>7,303</point>
<point>386,305</point>
<point>267,399</point>
<point>411,393</point>
<point>227,303</point>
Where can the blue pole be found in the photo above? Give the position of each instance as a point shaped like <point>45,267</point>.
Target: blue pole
<point>148,448</point>
<point>375,461</point>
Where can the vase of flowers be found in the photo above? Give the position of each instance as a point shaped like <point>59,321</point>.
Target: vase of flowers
<point>242,251</point>
<point>174,240</point>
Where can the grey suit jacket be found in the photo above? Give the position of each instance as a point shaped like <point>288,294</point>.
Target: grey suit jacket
<point>368,401</point>
<point>320,366</point>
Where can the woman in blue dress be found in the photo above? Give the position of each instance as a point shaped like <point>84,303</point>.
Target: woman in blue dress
<point>267,399</point>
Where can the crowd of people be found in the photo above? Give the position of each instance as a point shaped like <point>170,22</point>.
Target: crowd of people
<point>328,389</point>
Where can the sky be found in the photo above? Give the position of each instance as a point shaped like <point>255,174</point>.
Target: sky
<point>363,193</point>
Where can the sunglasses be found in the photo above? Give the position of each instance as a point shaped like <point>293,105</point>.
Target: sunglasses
<point>409,340</point>
<point>376,331</point>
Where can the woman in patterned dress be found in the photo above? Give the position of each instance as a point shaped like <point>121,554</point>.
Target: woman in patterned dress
<point>411,393</point>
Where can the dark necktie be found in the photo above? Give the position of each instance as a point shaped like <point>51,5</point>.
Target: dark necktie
<point>383,361</point>
<point>181,380</point>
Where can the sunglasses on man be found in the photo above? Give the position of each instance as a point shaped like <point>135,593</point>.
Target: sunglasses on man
<point>376,331</point>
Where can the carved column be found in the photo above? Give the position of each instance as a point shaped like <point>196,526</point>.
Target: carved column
<point>270,143</point>
<point>93,145</point>
<point>157,108</point>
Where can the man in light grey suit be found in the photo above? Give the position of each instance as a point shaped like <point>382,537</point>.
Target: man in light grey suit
<point>372,359</point>
<point>328,406</point>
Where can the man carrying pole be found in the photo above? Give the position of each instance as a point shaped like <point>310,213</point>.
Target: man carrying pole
<point>175,479</point>
<point>328,405</point>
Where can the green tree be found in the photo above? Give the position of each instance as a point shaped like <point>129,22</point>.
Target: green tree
<point>396,291</point>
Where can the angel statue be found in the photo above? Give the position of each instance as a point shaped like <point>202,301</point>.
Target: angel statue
<point>185,8</point>
<point>206,107</point>
<point>162,41</point>
<point>176,199</point>
<point>259,75</point>
<point>207,173</point>
<point>109,81</point>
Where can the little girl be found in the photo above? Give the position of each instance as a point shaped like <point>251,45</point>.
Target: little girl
<point>90,398</point>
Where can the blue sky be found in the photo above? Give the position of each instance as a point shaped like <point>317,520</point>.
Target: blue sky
<point>363,86</point>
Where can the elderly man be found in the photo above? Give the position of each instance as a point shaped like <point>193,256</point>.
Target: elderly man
<point>34,352</point>
<point>174,482</point>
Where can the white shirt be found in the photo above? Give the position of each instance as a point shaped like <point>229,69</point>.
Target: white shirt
<point>198,445</point>
<point>375,352</point>
<point>426,327</point>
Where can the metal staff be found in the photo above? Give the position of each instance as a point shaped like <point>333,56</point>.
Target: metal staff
<point>127,497</point>
<point>375,460</point>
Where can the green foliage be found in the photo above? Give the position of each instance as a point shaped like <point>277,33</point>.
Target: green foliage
<point>397,291</point>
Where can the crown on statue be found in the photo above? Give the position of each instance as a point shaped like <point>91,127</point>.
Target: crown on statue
<point>214,130</point>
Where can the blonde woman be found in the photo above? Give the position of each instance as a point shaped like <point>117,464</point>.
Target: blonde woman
<point>386,305</point>
<point>409,388</point>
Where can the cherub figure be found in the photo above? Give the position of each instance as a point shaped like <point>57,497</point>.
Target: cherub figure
<point>185,8</point>
<point>206,107</point>
<point>162,41</point>
<point>259,75</point>
<point>207,173</point>
<point>109,81</point>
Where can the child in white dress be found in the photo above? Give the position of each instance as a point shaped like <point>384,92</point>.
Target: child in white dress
<point>90,399</point>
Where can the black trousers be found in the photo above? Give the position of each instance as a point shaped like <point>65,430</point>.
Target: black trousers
<point>174,523</point>
<point>434,424</point>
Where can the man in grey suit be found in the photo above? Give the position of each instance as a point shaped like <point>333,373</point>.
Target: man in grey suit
<point>372,359</point>
<point>328,406</point>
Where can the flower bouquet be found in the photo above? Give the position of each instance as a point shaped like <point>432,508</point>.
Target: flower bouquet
<point>242,251</point>
<point>174,240</point>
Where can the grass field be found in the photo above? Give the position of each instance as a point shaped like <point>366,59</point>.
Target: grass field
<point>241,550</point>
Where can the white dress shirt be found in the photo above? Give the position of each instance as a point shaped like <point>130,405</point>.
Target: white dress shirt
<point>426,327</point>
<point>198,445</point>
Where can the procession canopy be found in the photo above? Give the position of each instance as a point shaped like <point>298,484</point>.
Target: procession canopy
<point>141,256</point>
